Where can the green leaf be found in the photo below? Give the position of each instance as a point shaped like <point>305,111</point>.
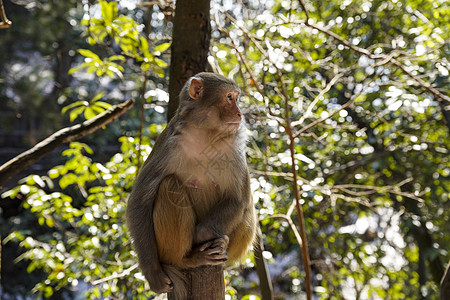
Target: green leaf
<point>162,47</point>
<point>97,109</point>
<point>67,180</point>
<point>76,112</point>
<point>116,57</point>
<point>70,106</point>
<point>89,113</point>
<point>102,104</point>
<point>76,69</point>
<point>88,53</point>
<point>98,96</point>
<point>31,267</point>
<point>109,11</point>
<point>144,44</point>
<point>159,72</point>
<point>37,179</point>
<point>160,63</point>
<point>50,222</point>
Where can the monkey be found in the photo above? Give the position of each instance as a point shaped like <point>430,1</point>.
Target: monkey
<point>191,203</point>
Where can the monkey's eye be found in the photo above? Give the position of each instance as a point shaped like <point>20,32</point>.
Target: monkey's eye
<point>230,96</point>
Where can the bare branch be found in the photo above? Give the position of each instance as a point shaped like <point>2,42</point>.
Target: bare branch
<point>386,58</point>
<point>4,22</point>
<point>317,99</point>
<point>65,135</point>
<point>116,276</point>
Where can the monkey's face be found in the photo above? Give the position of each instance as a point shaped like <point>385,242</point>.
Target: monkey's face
<point>227,116</point>
<point>213,103</point>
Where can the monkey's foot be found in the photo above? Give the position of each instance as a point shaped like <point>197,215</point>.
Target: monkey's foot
<point>220,243</point>
<point>160,282</point>
<point>209,253</point>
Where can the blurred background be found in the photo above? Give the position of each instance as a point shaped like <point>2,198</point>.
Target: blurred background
<point>359,89</point>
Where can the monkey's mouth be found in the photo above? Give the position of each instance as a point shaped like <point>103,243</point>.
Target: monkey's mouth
<point>233,125</point>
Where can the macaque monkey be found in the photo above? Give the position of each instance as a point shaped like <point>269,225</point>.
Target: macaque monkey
<point>191,204</point>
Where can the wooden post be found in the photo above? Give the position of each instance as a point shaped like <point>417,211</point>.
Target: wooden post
<point>204,283</point>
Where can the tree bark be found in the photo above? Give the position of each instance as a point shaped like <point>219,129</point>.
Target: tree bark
<point>190,46</point>
<point>265,284</point>
<point>203,283</point>
<point>445,284</point>
<point>65,135</point>
<point>189,56</point>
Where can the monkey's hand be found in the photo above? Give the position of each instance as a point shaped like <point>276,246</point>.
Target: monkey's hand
<point>210,253</point>
<point>204,233</point>
<point>218,243</point>
<point>159,281</point>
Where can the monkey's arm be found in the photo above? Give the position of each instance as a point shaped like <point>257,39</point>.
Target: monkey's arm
<point>227,214</point>
<point>140,218</point>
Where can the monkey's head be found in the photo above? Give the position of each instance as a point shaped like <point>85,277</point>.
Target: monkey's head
<point>210,101</point>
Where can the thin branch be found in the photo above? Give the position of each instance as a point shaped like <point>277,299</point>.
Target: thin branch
<point>317,99</point>
<point>344,106</point>
<point>292,225</point>
<point>4,23</point>
<point>366,52</point>
<point>65,135</point>
<point>387,58</point>
<point>310,125</point>
<point>116,276</point>
<point>253,78</point>
<point>302,4</point>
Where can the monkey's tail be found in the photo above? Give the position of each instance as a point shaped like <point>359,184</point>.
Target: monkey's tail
<point>179,281</point>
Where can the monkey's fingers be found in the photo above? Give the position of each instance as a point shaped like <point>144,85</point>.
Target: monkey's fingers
<point>215,250</point>
<point>168,282</point>
<point>221,242</point>
<point>217,259</point>
<point>163,285</point>
<point>206,245</point>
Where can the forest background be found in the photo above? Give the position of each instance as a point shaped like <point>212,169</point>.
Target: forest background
<point>348,113</point>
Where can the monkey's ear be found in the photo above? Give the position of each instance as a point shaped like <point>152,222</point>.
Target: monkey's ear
<point>196,88</point>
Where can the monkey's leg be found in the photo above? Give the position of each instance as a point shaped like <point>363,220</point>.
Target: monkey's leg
<point>243,236</point>
<point>174,222</point>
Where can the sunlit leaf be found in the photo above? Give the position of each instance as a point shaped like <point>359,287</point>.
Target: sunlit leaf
<point>72,105</point>
<point>98,96</point>
<point>89,113</point>
<point>109,11</point>
<point>76,112</point>
<point>88,53</point>
<point>162,47</point>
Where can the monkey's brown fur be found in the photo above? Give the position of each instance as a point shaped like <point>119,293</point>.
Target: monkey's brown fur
<point>191,203</point>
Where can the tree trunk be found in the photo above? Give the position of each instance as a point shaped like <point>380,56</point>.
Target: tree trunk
<point>265,284</point>
<point>189,56</point>
<point>203,283</point>
<point>190,46</point>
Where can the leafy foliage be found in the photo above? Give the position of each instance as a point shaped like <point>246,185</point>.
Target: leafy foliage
<point>89,240</point>
<point>364,148</point>
<point>89,109</point>
<point>358,86</point>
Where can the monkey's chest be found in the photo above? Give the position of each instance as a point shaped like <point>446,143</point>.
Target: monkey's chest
<point>205,180</point>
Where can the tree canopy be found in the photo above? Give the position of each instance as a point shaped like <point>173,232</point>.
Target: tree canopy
<point>348,113</point>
